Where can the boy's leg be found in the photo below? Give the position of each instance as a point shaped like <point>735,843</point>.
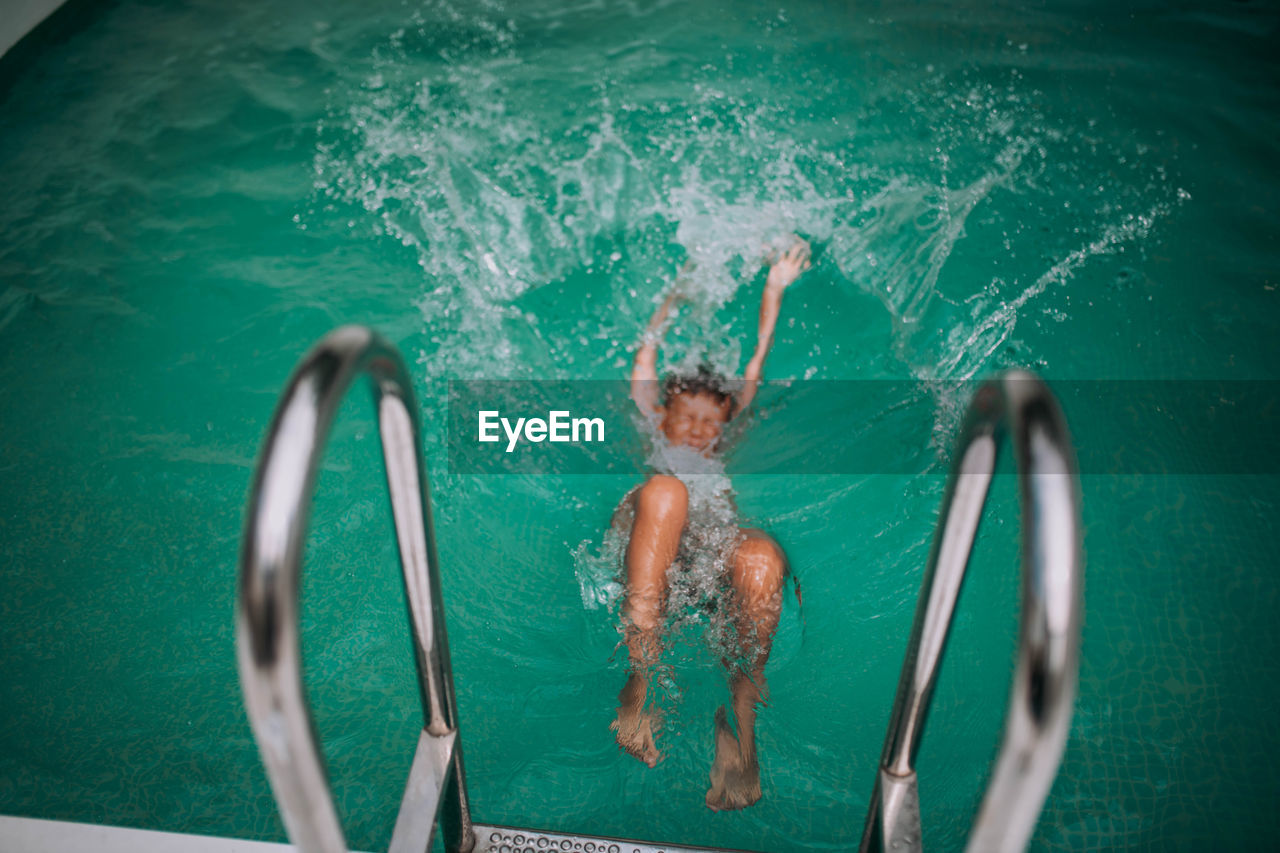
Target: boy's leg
<point>661,510</point>
<point>758,572</point>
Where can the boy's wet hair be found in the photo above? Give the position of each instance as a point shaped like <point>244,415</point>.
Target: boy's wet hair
<point>704,380</point>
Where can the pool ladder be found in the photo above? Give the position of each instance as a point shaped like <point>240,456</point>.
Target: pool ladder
<point>268,648</point>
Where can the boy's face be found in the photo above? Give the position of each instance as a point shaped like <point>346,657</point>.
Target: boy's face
<point>695,420</point>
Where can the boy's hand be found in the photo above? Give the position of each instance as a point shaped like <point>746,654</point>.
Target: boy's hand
<point>788,267</point>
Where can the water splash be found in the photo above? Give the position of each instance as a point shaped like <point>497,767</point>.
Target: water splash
<point>698,586</point>
<point>455,153</point>
<point>955,201</point>
<point>971,348</point>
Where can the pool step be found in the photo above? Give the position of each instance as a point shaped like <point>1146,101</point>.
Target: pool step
<point>507,839</point>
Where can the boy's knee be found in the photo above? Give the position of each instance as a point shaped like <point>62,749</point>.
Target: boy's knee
<point>663,494</point>
<point>759,567</point>
<point>760,552</point>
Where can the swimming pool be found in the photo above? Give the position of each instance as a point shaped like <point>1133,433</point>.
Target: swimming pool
<point>195,192</point>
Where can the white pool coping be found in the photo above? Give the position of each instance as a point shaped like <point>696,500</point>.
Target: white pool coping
<point>31,835</point>
<point>21,17</point>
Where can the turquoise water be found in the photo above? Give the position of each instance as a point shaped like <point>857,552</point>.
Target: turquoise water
<point>195,192</point>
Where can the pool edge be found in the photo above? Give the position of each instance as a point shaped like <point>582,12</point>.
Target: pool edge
<point>36,835</point>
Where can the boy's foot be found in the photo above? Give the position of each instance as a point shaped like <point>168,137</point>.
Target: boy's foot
<point>735,781</point>
<point>636,725</point>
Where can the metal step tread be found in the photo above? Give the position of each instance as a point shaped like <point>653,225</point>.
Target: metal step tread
<point>510,839</point>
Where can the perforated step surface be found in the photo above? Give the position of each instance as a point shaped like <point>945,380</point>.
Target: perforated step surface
<point>506,839</point>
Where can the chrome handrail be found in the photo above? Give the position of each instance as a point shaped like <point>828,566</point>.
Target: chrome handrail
<point>1044,681</point>
<point>268,648</point>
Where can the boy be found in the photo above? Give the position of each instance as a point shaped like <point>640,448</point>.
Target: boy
<point>693,414</point>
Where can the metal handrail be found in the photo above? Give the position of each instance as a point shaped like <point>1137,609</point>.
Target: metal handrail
<point>1044,681</point>
<point>268,648</point>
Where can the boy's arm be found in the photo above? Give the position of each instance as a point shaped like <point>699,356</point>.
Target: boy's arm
<point>784,271</point>
<point>644,369</point>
